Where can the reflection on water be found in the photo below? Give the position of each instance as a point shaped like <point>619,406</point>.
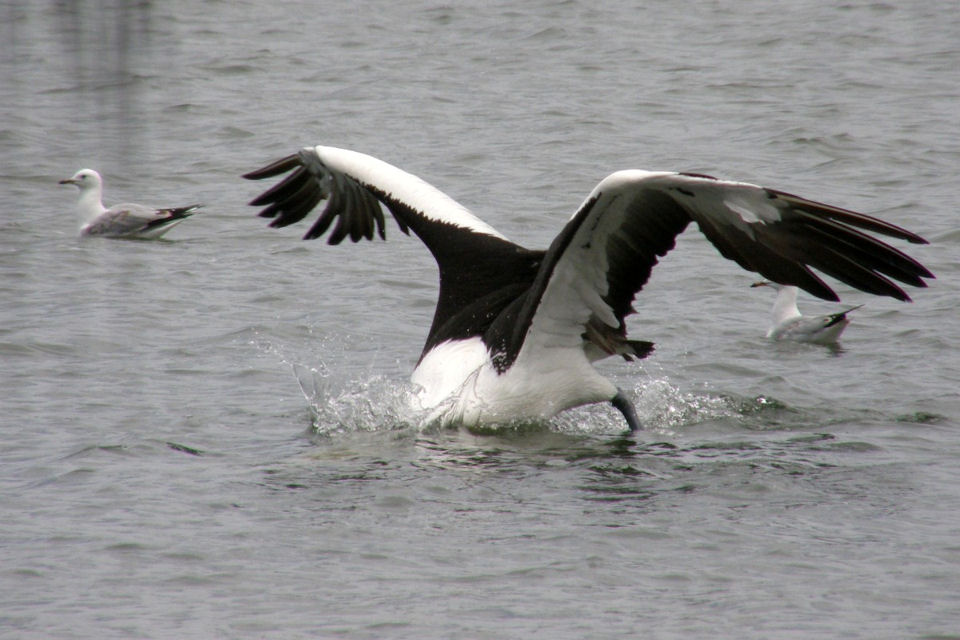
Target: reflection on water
<point>427,468</point>
<point>107,47</point>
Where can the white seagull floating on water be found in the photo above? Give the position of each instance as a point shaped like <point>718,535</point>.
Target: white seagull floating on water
<point>516,331</point>
<point>121,220</point>
<point>787,323</point>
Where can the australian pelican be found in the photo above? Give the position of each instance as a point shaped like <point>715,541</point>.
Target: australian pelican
<point>516,331</point>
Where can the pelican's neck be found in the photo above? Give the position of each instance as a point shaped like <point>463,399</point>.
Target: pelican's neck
<point>90,204</point>
<point>785,306</point>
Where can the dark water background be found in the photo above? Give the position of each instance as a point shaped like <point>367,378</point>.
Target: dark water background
<point>206,437</point>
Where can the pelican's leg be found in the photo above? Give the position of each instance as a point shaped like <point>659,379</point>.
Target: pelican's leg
<point>623,404</point>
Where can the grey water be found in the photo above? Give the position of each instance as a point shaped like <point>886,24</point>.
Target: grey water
<point>206,437</point>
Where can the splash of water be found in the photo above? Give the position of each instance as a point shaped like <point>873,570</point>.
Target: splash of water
<point>372,401</point>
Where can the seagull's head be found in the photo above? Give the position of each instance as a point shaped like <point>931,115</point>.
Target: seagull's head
<point>84,179</point>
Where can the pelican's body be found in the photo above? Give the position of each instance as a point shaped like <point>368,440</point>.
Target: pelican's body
<point>787,323</point>
<point>516,331</point>
<point>122,220</point>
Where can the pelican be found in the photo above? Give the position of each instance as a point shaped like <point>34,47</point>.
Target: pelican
<point>121,220</point>
<point>516,331</point>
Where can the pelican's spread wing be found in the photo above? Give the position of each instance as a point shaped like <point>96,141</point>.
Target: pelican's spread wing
<point>353,184</point>
<point>604,255</point>
<point>481,272</point>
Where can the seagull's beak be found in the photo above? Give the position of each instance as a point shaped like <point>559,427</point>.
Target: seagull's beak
<point>68,181</point>
<point>762,283</point>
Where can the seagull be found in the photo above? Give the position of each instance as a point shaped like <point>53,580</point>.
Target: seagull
<point>121,220</point>
<point>516,331</point>
<point>788,324</point>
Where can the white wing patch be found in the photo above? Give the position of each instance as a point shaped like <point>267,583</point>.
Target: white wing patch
<point>405,187</point>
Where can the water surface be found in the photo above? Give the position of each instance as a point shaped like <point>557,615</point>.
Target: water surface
<point>206,437</point>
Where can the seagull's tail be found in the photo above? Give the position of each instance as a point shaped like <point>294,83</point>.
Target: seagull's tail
<point>180,212</point>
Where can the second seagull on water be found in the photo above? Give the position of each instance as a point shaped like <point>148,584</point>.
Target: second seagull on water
<point>787,323</point>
